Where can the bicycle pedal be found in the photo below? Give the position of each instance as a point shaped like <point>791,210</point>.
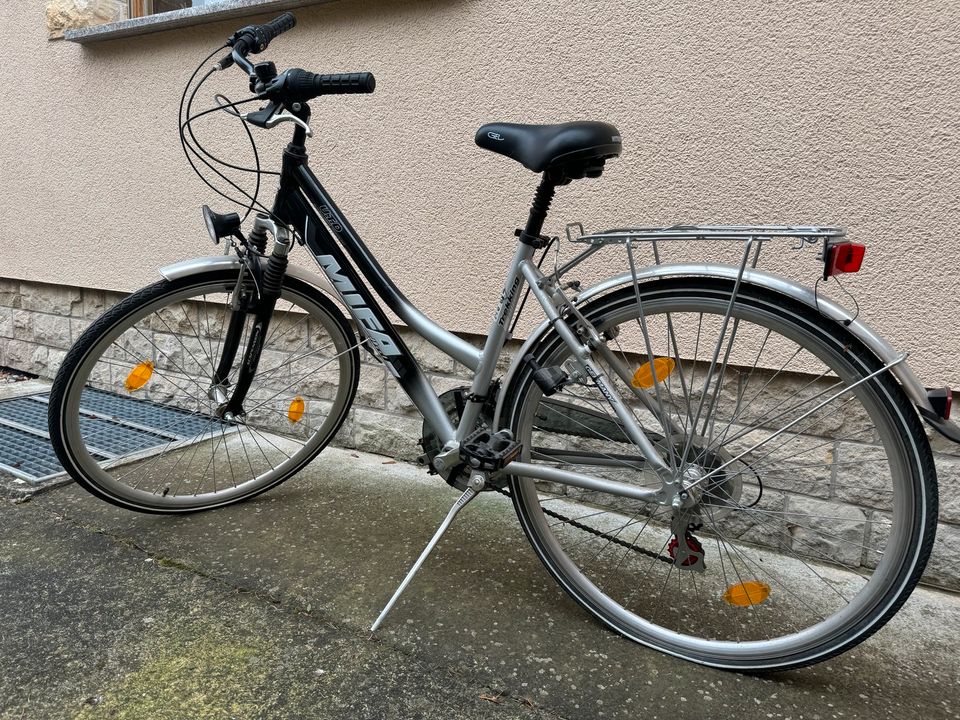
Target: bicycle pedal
<point>483,450</point>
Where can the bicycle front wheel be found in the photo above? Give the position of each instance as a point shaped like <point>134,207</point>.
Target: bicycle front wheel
<point>136,417</point>
<point>817,506</point>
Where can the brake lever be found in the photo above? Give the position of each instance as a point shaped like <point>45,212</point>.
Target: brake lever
<point>272,115</point>
<point>285,116</point>
<point>236,57</point>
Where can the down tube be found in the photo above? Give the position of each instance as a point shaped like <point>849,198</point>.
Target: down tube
<point>366,312</point>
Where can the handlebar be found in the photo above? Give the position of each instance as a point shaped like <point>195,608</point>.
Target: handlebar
<point>276,27</point>
<point>294,85</point>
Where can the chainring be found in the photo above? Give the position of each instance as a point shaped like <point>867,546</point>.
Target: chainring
<point>452,402</point>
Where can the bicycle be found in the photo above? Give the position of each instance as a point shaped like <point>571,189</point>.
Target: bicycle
<point>712,460</point>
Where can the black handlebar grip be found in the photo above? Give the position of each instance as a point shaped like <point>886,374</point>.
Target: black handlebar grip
<point>305,85</point>
<point>254,39</point>
<point>279,25</point>
<point>344,83</point>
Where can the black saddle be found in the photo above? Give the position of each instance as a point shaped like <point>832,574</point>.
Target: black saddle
<point>575,149</point>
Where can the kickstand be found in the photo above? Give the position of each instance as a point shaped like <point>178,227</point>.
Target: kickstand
<point>477,481</point>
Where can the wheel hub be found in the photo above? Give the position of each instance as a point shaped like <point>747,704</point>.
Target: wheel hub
<point>704,485</point>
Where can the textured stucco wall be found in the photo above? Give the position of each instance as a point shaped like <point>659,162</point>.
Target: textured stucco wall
<point>834,112</point>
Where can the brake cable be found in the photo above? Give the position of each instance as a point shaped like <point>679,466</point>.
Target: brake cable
<point>198,151</point>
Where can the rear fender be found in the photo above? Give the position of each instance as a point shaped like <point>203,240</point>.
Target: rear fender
<point>884,351</point>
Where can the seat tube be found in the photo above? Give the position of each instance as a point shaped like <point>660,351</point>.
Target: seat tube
<point>496,337</point>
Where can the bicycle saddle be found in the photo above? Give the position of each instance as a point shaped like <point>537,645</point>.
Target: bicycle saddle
<point>578,147</point>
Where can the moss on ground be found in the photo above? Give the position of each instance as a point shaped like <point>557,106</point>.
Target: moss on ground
<point>195,673</point>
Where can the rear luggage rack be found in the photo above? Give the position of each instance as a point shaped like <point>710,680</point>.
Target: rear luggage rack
<point>620,236</point>
<point>752,237</point>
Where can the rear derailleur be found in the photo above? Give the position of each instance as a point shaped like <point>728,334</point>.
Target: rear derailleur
<point>688,553</point>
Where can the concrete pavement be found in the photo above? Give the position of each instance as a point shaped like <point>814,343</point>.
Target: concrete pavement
<point>261,611</point>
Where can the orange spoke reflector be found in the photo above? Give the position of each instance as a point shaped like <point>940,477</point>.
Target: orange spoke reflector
<point>295,411</point>
<point>752,592</point>
<point>139,376</point>
<point>644,377</point>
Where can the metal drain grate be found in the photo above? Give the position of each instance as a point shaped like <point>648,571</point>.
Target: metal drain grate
<point>113,426</point>
<point>27,456</point>
<point>143,413</point>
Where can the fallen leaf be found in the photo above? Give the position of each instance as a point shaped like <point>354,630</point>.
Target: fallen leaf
<point>389,462</point>
<point>491,698</point>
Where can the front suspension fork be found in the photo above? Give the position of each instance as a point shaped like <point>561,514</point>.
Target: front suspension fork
<point>269,292</point>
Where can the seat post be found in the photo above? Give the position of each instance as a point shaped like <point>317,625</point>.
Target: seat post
<point>530,235</point>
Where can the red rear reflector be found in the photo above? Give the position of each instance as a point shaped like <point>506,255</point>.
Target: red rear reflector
<point>843,258</point>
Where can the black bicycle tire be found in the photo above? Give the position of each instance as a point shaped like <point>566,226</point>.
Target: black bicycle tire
<point>924,475</point>
<point>129,306</point>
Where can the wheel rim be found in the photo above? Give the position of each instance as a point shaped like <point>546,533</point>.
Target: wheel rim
<point>201,460</point>
<point>684,631</point>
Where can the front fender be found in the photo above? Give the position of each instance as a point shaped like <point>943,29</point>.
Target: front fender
<point>884,351</point>
<point>228,262</point>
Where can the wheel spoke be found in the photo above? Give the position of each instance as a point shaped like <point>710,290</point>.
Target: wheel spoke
<point>204,460</point>
<point>788,541</point>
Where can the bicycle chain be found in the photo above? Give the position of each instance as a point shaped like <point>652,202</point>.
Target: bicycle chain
<point>593,531</point>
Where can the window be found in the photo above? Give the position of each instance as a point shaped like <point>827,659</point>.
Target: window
<point>101,19</point>
<point>142,8</point>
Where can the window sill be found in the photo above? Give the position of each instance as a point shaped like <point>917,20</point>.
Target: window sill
<point>222,10</point>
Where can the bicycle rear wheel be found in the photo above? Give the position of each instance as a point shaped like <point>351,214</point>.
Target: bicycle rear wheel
<point>141,379</point>
<point>814,522</point>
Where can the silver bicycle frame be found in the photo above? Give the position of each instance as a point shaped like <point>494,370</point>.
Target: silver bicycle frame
<point>553,302</point>
<point>484,362</point>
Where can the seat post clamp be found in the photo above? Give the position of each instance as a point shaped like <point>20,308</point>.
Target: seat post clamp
<point>535,241</point>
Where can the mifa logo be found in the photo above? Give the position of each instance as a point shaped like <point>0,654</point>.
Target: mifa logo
<point>364,316</point>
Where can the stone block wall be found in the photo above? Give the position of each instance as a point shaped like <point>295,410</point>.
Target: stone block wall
<point>65,15</point>
<point>39,322</point>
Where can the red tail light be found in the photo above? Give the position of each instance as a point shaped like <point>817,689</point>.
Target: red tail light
<point>843,258</point>
<point>941,399</point>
